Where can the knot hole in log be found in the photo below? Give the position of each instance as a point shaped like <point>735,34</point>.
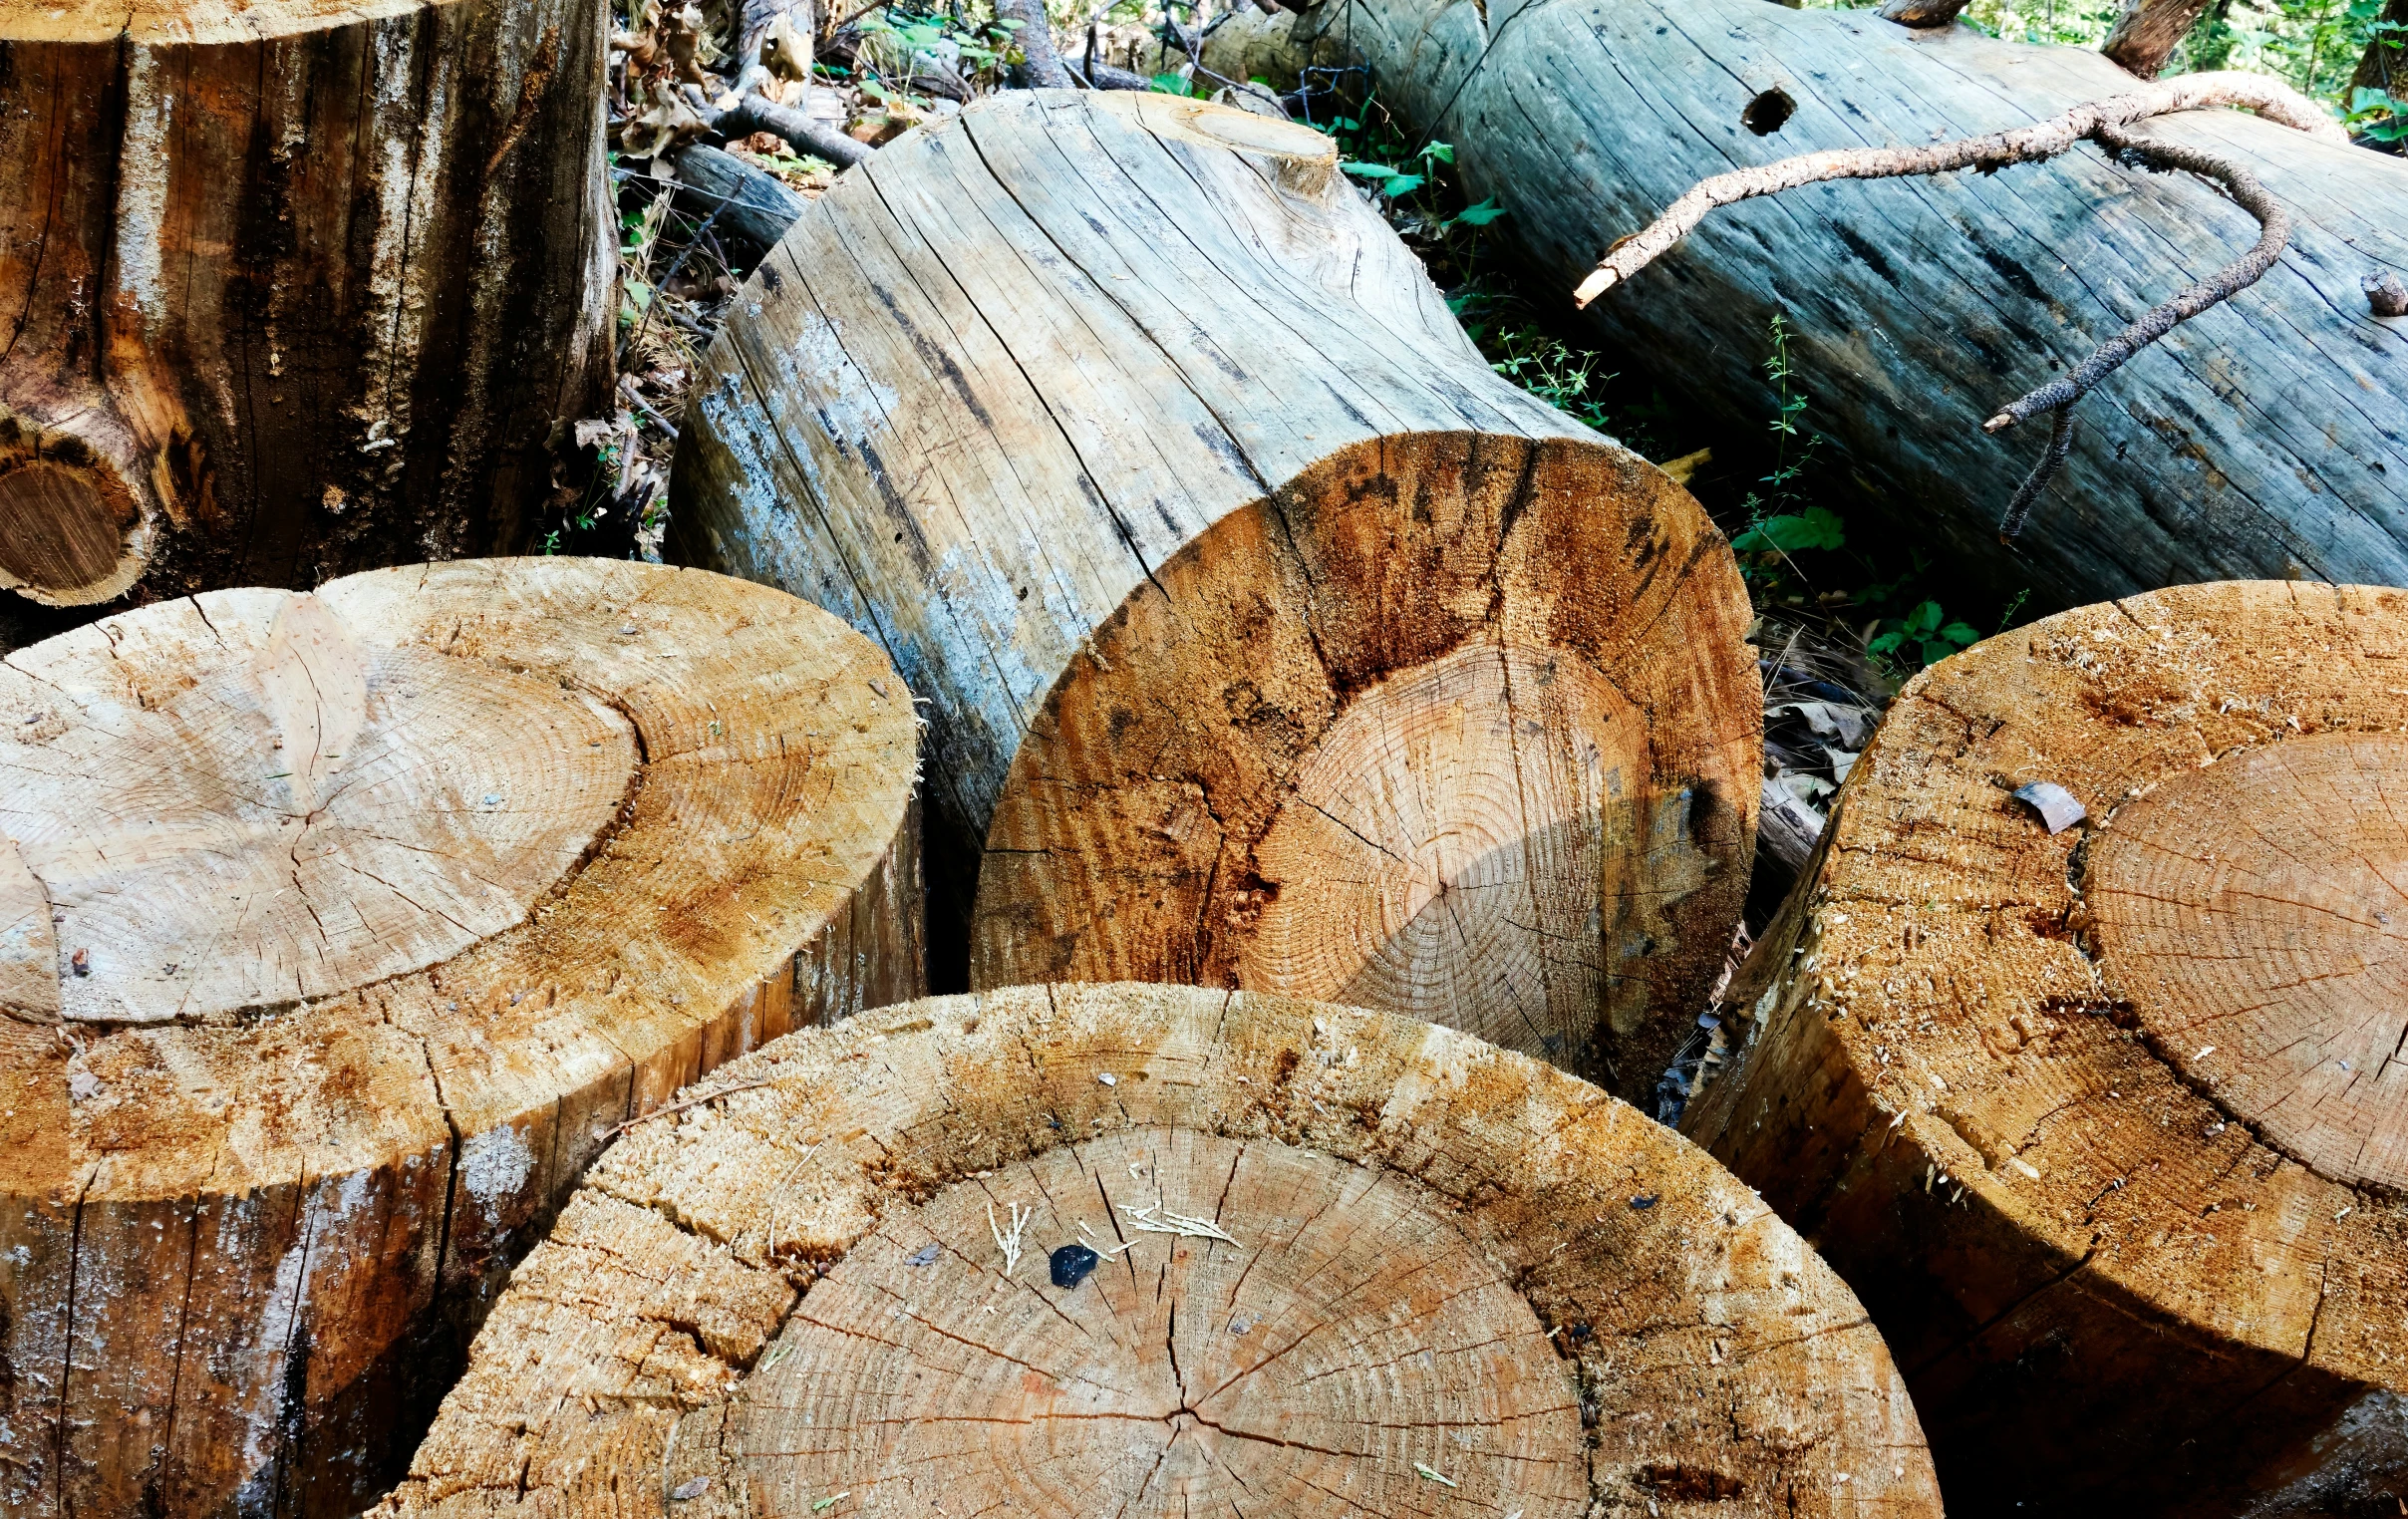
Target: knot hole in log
<point>1768,112</point>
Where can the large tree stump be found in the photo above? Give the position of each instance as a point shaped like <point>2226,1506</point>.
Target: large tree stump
<point>342,931</point>
<point>2256,439</point>
<point>2104,1124</point>
<point>1271,639</point>
<point>1162,1251</point>
<point>290,288</point>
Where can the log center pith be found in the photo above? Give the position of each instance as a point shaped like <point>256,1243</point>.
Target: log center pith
<point>2254,914</point>
<point>1265,1325</point>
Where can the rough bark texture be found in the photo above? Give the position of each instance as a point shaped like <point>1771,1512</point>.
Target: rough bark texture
<point>2104,1124</point>
<point>2385,63</point>
<point>2148,31</point>
<point>1341,1263</point>
<point>342,931</point>
<point>1922,12</point>
<point>293,288</point>
<point>1271,640</point>
<point>2264,438</point>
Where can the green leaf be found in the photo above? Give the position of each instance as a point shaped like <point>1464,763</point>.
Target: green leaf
<point>1480,215</point>
<point>1924,621</point>
<point>1444,152</point>
<point>1169,84</point>
<point>1367,171</point>
<point>1960,635</point>
<point>1887,643</point>
<point>1401,184</point>
<point>1816,527</point>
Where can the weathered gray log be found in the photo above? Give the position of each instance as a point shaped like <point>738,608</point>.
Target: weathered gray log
<point>2267,438</point>
<point>1270,637</point>
<point>748,203</point>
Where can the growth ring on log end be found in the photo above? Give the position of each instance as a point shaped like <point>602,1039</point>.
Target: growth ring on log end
<point>2106,1124</point>
<point>339,931</point>
<point>1271,639</point>
<point>1154,1250</point>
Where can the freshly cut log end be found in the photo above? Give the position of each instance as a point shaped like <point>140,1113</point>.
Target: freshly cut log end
<point>1157,1251</point>
<point>2105,1123</point>
<point>1271,639</point>
<point>339,931</point>
<point>290,288</point>
<point>1450,724</point>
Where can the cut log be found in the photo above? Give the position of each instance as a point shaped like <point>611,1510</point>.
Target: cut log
<point>1271,640</point>
<point>343,930</point>
<point>2104,1123</point>
<point>2259,439</point>
<point>1161,1251</point>
<point>292,288</point>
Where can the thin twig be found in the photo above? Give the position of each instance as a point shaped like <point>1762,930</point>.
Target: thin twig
<point>2103,121</point>
<point>1010,1244</point>
<point>2269,98</point>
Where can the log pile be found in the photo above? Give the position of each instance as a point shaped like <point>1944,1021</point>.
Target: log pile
<point>2079,1054</point>
<point>343,930</point>
<point>1271,640</point>
<point>291,289</point>
<point>1162,1251</point>
<point>2256,439</point>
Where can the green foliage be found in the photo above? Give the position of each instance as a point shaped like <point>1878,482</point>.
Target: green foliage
<point>2313,44</point>
<point>1923,636</point>
<point>1551,369</point>
<point>1815,527</point>
<point>2378,115</point>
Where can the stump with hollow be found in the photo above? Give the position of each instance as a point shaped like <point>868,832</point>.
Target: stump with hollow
<point>340,930</point>
<point>291,288</point>
<point>1166,1250</point>
<point>2106,1126</point>
<point>1271,639</point>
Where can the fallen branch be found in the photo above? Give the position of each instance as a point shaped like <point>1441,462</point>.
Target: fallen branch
<point>2103,121</point>
<point>1039,68</point>
<point>757,113</point>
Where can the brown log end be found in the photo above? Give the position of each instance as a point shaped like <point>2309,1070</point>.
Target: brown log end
<point>70,527</point>
<point>1459,726</point>
<point>2111,1115</point>
<point>339,931</point>
<point>1151,1250</point>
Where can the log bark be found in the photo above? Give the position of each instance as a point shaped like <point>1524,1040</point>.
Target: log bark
<point>2101,1123</point>
<point>739,200</point>
<point>2384,65</point>
<point>343,930</point>
<point>1157,1251</point>
<point>291,290</point>
<point>1269,639</point>
<point>2148,31</point>
<point>1922,12</point>
<point>2258,441</point>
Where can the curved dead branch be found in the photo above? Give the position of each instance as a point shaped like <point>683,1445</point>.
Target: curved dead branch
<point>2105,122</point>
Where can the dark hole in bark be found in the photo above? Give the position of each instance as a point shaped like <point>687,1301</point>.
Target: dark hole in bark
<point>1765,114</point>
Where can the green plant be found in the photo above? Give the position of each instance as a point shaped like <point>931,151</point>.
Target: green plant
<point>2378,115</point>
<point>1923,636</point>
